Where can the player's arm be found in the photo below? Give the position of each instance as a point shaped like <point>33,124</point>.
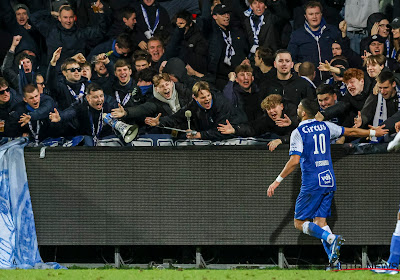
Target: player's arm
<point>289,167</point>
<point>373,132</point>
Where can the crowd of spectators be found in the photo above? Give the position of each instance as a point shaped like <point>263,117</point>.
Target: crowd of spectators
<point>240,67</point>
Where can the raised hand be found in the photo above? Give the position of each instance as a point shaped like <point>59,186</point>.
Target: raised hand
<point>80,58</point>
<point>273,144</point>
<point>358,120</point>
<point>54,117</point>
<point>118,112</point>
<point>24,119</point>
<point>226,128</point>
<point>56,56</point>
<point>153,121</point>
<point>379,131</point>
<point>283,122</point>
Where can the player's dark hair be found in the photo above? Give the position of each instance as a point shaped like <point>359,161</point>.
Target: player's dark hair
<point>311,107</point>
<point>325,89</point>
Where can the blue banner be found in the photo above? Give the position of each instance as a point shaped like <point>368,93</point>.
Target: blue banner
<point>18,241</point>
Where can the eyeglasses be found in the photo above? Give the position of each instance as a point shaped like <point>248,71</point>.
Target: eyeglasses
<point>41,84</point>
<point>74,69</point>
<point>4,91</point>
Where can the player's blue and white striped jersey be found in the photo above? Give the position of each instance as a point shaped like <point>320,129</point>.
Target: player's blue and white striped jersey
<point>311,141</point>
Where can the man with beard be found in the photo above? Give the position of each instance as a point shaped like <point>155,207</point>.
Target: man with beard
<point>68,87</point>
<point>279,122</point>
<point>88,116</point>
<point>309,146</point>
<point>243,93</point>
<point>168,98</point>
<point>207,112</point>
<point>289,85</point>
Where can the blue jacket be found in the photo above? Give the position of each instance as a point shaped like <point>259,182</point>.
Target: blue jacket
<point>304,47</point>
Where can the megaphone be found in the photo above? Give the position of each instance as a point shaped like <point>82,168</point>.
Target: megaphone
<point>127,131</point>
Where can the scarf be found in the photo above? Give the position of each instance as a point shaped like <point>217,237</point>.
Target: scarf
<point>173,102</point>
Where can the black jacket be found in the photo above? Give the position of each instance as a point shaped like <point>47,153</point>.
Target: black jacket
<point>191,47</point>
<point>153,106</point>
<point>217,47</point>
<point>268,36</point>
<point>46,127</point>
<point>204,121</point>
<point>121,92</point>
<point>293,90</point>
<point>247,102</point>
<point>58,87</point>
<point>80,113</point>
<point>264,124</point>
<point>164,27</point>
<point>72,40</point>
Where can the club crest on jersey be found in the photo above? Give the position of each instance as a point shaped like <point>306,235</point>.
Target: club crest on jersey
<point>325,179</point>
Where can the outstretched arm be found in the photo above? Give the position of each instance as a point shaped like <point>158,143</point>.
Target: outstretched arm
<point>289,167</point>
<point>373,132</point>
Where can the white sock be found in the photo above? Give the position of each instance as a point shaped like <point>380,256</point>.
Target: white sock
<point>331,237</point>
<point>328,229</point>
<point>397,230</point>
<point>305,227</point>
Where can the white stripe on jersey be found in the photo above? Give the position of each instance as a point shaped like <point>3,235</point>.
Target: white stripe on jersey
<point>335,130</point>
<point>296,142</point>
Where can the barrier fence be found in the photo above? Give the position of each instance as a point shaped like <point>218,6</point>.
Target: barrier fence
<point>199,196</point>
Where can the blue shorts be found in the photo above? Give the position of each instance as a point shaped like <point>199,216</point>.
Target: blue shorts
<point>313,204</point>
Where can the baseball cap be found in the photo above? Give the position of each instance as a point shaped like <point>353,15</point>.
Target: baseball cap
<point>20,6</point>
<point>378,38</point>
<point>395,24</point>
<point>221,9</point>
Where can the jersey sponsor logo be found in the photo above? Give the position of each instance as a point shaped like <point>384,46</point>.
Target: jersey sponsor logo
<point>321,163</point>
<point>314,128</point>
<point>325,179</point>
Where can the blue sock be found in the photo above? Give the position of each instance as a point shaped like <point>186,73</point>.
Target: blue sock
<point>318,232</point>
<point>327,247</point>
<point>394,258</point>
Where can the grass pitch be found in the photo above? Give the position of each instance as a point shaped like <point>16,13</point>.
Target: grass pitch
<point>170,274</point>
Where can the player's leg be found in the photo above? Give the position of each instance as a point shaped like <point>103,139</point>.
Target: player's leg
<point>323,212</point>
<point>321,222</point>
<point>307,204</point>
<point>394,258</point>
